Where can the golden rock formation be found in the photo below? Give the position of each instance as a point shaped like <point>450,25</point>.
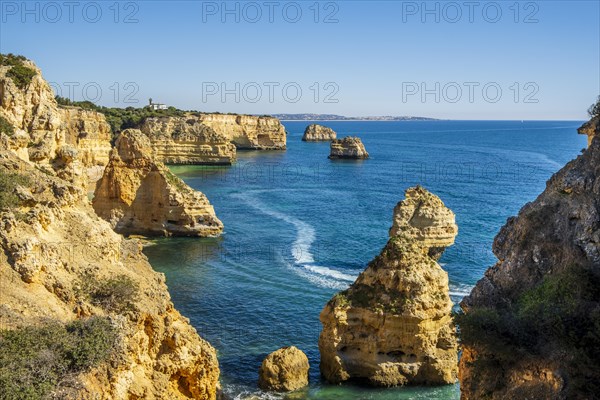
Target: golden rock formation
<point>393,326</point>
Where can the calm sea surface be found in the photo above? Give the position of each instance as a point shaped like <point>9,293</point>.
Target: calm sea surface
<point>299,228</point>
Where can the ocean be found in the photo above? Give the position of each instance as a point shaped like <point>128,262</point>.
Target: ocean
<point>300,227</point>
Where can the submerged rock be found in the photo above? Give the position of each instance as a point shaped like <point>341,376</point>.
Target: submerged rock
<point>284,370</point>
<point>318,133</point>
<point>393,325</point>
<point>139,195</point>
<point>350,147</point>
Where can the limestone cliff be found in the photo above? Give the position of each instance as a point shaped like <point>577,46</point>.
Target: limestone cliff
<point>42,127</point>
<point>248,132</point>
<point>89,132</point>
<point>139,195</point>
<point>318,133</point>
<point>591,129</point>
<point>186,140</point>
<point>531,326</point>
<point>393,325</point>
<point>350,147</point>
<point>51,240</point>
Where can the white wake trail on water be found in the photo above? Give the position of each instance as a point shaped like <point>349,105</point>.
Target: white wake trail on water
<point>301,248</point>
<point>304,261</point>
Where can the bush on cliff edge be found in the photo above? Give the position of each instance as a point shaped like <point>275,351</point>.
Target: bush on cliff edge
<point>558,319</point>
<point>36,361</point>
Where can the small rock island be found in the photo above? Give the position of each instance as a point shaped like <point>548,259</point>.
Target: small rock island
<point>318,133</point>
<point>350,147</point>
<point>393,326</point>
<point>284,370</point>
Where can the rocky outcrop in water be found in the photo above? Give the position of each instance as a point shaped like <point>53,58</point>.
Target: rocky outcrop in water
<point>139,195</point>
<point>591,129</point>
<point>53,245</point>
<point>284,370</point>
<point>318,133</point>
<point>186,140</point>
<point>350,147</point>
<point>248,132</point>
<point>393,325</point>
<point>531,324</point>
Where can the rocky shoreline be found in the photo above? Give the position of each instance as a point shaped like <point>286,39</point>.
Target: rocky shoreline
<point>529,328</point>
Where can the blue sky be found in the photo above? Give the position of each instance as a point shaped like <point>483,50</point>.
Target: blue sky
<point>456,60</point>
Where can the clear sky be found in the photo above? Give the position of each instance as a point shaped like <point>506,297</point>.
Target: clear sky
<point>456,60</point>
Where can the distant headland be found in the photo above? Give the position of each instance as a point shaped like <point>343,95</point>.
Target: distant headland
<point>334,117</point>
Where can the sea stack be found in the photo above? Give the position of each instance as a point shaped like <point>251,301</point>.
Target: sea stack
<point>318,133</point>
<point>393,326</point>
<point>284,370</point>
<point>139,195</point>
<point>350,147</point>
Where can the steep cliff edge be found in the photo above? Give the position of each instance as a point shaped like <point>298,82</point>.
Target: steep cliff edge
<point>185,140</point>
<point>591,129</point>
<point>42,128</point>
<point>61,263</point>
<point>139,195</point>
<point>531,327</point>
<point>248,132</point>
<point>393,325</point>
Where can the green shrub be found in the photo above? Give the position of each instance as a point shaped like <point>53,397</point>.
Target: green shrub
<point>8,184</point>
<point>6,127</point>
<point>594,110</point>
<point>117,294</point>
<point>35,361</point>
<point>558,319</point>
<point>21,75</point>
<point>11,60</point>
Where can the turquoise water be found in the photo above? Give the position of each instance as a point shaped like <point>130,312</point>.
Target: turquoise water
<point>299,227</point>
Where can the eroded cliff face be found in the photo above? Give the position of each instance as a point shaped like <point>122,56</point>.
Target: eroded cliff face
<point>248,132</point>
<point>139,195</point>
<point>591,129</point>
<point>531,324</point>
<point>42,128</point>
<point>51,241</point>
<point>186,140</point>
<point>393,325</point>
<point>89,132</point>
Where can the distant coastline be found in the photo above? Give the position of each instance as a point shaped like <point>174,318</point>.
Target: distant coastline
<point>334,117</point>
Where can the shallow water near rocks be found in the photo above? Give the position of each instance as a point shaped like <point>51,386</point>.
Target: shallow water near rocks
<point>299,228</point>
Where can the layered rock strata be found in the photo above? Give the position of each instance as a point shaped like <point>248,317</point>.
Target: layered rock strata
<point>393,325</point>
<point>186,140</point>
<point>318,133</point>
<point>350,147</point>
<point>139,195</point>
<point>41,127</point>
<point>248,132</point>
